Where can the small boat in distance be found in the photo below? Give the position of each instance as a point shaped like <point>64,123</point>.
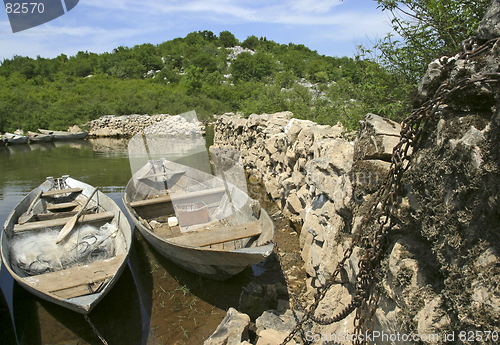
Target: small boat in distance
<point>14,139</point>
<point>39,137</point>
<point>66,242</point>
<point>200,222</point>
<point>62,135</point>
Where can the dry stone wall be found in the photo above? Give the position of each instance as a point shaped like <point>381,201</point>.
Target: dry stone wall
<point>441,268</point>
<point>320,180</point>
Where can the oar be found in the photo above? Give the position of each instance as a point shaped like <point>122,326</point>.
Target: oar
<point>71,223</point>
<point>29,213</point>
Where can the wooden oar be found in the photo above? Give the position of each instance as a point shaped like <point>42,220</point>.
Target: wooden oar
<point>71,223</point>
<point>29,213</point>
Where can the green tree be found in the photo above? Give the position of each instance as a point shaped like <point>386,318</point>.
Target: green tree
<point>227,39</point>
<point>257,66</point>
<point>252,42</point>
<point>428,29</point>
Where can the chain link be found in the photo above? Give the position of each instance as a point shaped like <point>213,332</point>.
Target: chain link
<point>95,329</point>
<point>383,209</point>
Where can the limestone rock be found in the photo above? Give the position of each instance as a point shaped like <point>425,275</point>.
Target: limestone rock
<point>377,138</point>
<point>432,319</point>
<point>232,330</point>
<point>489,27</point>
<point>273,327</point>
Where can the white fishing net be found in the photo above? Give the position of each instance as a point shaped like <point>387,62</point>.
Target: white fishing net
<point>37,253</point>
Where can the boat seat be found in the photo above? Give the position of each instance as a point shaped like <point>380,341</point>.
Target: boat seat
<point>168,174</point>
<point>55,192</point>
<point>178,197</point>
<point>76,281</point>
<point>62,206</point>
<point>225,234</point>
<point>85,218</point>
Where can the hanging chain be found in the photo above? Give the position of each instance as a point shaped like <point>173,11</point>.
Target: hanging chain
<point>383,210</point>
<point>95,329</point>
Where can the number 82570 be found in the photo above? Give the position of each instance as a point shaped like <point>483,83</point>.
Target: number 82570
<point>25,7</point>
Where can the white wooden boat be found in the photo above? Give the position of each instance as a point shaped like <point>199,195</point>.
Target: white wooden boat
<point>14,139</point>
<point>79,271</point>
<point>39,137</point>
<point>62,135</point>
<point>221,230</point>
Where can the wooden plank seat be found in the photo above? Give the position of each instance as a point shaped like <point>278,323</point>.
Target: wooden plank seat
<point>56,192</point>
<point>62,206</point>
<point>226,234</point>
<point>76,281</point>
<point>85,218</point>
<point>168,174</point>
<point>178,197</point>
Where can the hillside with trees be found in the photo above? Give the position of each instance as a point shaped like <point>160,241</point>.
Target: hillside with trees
<point>214,74</point>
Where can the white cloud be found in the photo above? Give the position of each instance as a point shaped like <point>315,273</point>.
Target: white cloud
<point>100,26</point>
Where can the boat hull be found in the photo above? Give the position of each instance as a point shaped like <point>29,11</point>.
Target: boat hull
<point>81,304</point>
<point>39,138</point>
<point>61,135</point>
<point>12,139</point>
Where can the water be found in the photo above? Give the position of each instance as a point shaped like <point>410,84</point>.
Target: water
<point>154,301</point>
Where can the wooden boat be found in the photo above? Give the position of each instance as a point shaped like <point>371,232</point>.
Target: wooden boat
<point>221,230</point>
<point>39,137</point>
<point>62,135</point>
<point>14,139</point>
<point>78,272</point>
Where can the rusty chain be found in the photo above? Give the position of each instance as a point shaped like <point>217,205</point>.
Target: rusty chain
<point>384,207</point>
<point>95,329</point>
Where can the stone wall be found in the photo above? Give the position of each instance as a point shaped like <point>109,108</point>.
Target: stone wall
<point>320,180</point>
<point>325,183</point>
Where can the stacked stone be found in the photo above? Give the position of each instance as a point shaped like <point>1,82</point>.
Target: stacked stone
<point>122,126</point>
<point>175,126</point>
<point>319,179</point>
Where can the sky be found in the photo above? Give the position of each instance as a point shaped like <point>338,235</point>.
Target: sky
<point>331,27</point>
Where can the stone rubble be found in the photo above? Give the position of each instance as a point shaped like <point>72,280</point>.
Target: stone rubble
<point>127,126</point>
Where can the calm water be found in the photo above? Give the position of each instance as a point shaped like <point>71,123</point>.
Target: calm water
<point>154,301</point>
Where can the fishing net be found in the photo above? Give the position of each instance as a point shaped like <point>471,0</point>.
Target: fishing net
<point>36,254</point>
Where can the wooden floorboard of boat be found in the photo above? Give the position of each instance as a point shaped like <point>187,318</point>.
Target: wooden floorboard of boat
<point>74,281</point>
<point>62,221</point>
<point>226,234</point>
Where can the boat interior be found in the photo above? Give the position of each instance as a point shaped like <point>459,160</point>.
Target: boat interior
<point>189,207</point>
<point>91,253</point>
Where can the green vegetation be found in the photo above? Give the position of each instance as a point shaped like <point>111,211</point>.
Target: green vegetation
<point>200,72</point>
<point>428,29</point>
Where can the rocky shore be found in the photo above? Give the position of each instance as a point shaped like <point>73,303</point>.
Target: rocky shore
<point>439,276</point>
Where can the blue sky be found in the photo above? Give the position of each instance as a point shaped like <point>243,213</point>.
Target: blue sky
<point>331,27</point>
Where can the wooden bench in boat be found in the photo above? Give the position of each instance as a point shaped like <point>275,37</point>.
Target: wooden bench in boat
<point>226,234</point>
<point>76,281</point>
<point>168,174</point>
<point>61,191</point>
<point>85,218</point>
<point>178,197</point>
<point>62,206</point>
